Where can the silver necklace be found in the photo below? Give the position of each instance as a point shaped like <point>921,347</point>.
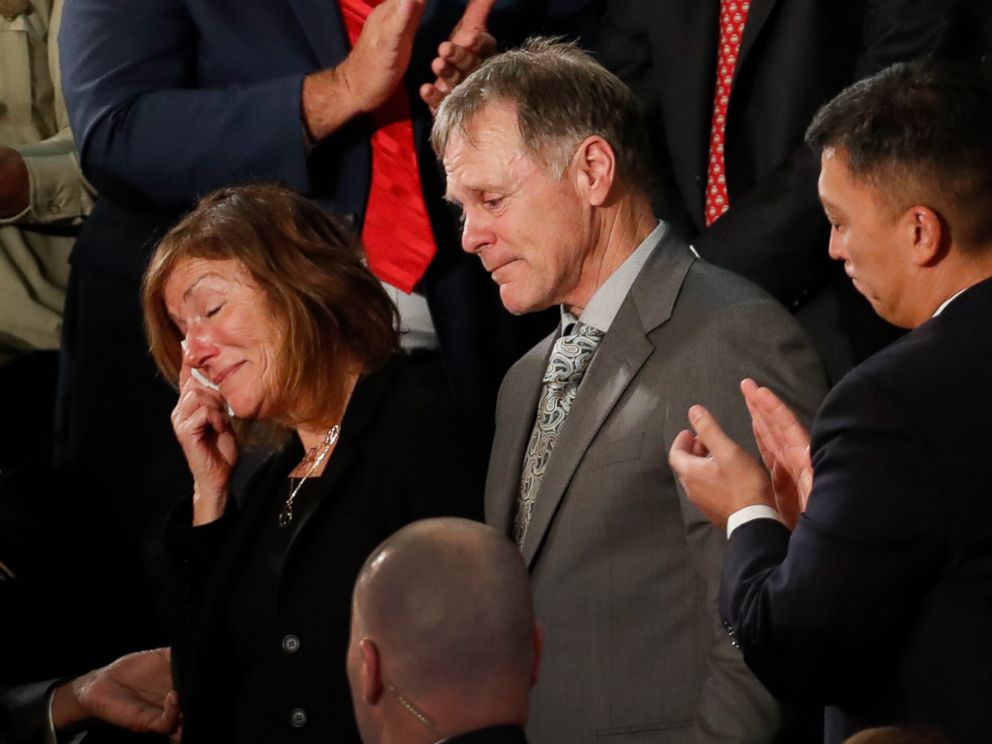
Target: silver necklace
<point>286,513</point>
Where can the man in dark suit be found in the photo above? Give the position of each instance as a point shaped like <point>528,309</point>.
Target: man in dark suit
<point>444,644</point>
<point>880,599</point>
<point>173,98</point>
<point>781,60</point>
<point>543,151</point>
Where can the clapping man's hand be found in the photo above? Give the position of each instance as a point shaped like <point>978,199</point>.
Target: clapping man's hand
<point>718,476</point>
<point>721,478</point>
<point>784,446</point>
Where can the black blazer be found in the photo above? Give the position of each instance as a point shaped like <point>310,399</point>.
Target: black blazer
<point>24,713</point>
<point>399,458</point>
<point>795,55</point>
<point>880,603</point>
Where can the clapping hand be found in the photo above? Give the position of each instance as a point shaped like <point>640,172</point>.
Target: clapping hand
<point>466,48</point>
<point>784,446</point>
<point>718,476</point>
<point>381,54</point>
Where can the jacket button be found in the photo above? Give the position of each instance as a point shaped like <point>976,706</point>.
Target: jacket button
<point>290,643</point>
<point>298,718</point>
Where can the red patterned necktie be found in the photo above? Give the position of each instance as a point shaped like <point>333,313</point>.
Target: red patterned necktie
<point>733,16</point>
<point>399,241</point>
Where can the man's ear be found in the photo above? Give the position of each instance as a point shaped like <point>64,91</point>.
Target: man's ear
<point>538,648</point>
<point>595,169</point>
<point>925,230</point>
<point>371,672</point>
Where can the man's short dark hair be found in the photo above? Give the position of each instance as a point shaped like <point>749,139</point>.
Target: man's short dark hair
<point>921,132</point>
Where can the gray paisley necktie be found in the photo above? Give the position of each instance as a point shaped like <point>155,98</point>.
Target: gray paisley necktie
<point>570,357</point>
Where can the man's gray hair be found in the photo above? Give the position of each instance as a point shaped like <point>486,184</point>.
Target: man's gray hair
<point>561,95</point>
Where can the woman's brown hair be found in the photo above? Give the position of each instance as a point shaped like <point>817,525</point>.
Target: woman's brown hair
<point>334,312</point>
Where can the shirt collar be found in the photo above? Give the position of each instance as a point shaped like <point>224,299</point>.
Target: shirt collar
<point>943,305</point>
<point>605,302</point>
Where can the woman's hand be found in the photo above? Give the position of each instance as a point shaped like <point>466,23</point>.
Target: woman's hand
<point>205,434</point>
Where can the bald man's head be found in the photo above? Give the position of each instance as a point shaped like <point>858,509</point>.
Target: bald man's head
<point>445,607</point>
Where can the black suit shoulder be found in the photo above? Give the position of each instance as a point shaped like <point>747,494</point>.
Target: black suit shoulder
<point>878,600</point>
<point>932,385</point>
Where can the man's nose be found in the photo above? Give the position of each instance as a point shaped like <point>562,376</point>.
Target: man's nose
<point>834,247</point>
<point>475,235</point>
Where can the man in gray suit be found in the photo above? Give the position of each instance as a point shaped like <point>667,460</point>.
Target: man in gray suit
<point>543,150</point>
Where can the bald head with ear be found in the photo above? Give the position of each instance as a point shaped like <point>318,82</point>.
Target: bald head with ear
<point>443,632</point>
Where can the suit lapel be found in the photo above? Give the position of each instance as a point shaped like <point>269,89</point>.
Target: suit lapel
<point>358,421</point>
<point>693,54</point>
<point>341,462</point>
<point>523,389</point>
<point>756,17</point>
<point>321,23</point>
<point>689,74</point>
<point>619,358</point>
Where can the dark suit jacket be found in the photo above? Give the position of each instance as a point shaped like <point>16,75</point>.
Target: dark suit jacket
<point>399,458</point>
<point>881,601</point>
<point>795,55</point>
<point>24,713</point>
<point>625,570</point>
<point>491,735</point>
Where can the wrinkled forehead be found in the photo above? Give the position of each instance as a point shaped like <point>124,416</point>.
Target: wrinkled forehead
<point>495,125</point>
<point>191,275</point>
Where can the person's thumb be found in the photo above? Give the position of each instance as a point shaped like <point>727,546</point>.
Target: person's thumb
<point>708,432</point>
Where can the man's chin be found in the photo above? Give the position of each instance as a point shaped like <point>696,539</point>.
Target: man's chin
<point>863,291</point>
<point>517,305</point>
<point>885,312</point>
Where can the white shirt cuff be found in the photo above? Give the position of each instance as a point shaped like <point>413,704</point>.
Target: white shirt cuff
<point>750,513</point>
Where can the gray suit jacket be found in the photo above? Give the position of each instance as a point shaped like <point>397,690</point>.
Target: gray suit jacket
<point>625,570</point>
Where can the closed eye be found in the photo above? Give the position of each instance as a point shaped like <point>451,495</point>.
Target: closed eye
<point>214,310</point>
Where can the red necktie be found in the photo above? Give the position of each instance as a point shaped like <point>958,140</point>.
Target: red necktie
<point>733,15</point>
<point>399,241</point>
